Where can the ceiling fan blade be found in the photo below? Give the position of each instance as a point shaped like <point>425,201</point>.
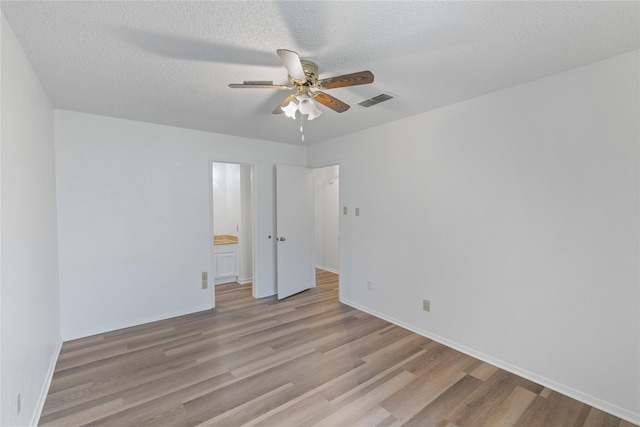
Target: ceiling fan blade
<point>329,101</point>
<point>291,61</point>
<point>258,86</point>
<point>284,103</point>
<point>353,79</point>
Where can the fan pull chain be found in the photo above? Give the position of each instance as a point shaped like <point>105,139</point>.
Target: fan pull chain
<point>301,130</point>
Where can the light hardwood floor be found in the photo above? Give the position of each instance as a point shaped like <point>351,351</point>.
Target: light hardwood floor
<point>304,361</point>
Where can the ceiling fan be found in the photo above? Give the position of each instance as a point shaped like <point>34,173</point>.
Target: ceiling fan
<point>303,76</point>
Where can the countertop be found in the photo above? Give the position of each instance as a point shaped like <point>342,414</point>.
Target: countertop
<point>224,239</point>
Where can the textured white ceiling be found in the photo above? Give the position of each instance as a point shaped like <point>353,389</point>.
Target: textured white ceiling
<point>170,62</point>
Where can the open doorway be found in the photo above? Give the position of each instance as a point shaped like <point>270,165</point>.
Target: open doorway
<point>327,218</point>
<point>233,252</point>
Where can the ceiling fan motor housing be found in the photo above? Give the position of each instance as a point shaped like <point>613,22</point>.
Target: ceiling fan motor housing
<point>310,70</point>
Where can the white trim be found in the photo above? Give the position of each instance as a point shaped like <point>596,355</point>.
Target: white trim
<point>46,385</point>
<point>546,382</point>
<point>325,164</point>
<point>330,270</point>
<point>254,222</point>
<point>137,322</point>
<point>245,281</point>
<point>212,248</point>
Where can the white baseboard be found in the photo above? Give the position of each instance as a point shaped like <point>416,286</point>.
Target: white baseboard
<point>546,382</point>
<point>136,322</point>
<point>46,385</point>
<point>225,280</point>
<point>330,270</point>
<point>245,281</point>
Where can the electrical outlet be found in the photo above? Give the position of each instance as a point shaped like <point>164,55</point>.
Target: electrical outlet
<point>426,305</point>
<point>18,404</point>
<point>205,280</point>
<point>369,286</point>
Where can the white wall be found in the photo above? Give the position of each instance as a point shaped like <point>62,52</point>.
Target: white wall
<point>245,238</point>
<point>29,259</point>
<point>516,214</point>
<point>326,183</point>
<point>135,219</point>
<point>233,199</point>
<point>226,198</point>
<point>220,215</point>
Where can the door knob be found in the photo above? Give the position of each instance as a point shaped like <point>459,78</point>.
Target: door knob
<point>282,239</point>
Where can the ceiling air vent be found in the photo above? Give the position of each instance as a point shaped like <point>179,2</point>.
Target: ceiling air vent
<point>376,100</point>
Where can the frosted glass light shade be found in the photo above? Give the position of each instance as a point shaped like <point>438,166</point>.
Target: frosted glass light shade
<point>314,113</point>
<point>290,110</point>
<point>305,104</point>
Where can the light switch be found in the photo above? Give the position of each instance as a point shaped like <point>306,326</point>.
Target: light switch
<point>344,210</point>
<point>357,211</point>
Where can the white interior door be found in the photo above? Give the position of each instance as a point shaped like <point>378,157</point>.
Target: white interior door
<point>295,226</point>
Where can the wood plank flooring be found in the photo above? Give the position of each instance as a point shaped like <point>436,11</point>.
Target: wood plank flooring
<point>304,361</point>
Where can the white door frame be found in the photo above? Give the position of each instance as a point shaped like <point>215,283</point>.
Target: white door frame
<point>254,262</point>
<point>340,223</point>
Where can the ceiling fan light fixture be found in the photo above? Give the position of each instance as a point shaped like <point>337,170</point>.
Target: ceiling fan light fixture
<point>290,110</point>
<point>314,113</point>
<point>305,104</point>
